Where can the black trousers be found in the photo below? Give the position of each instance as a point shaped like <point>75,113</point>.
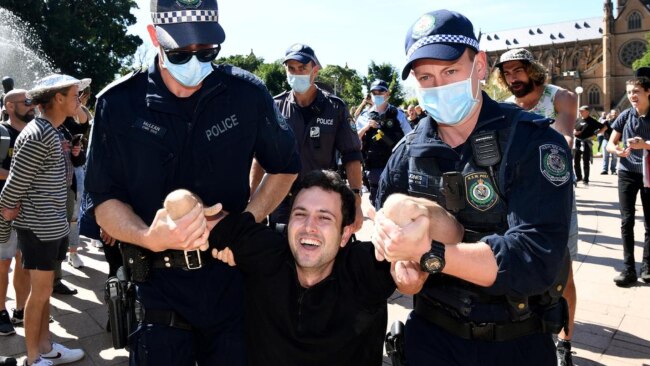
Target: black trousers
<point>629,185</point>
<point>585,156</point>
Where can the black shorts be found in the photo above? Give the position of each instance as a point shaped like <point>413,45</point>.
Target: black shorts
<point>38,254</point>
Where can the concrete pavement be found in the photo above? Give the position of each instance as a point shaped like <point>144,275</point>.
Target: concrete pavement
<point>612,324</point>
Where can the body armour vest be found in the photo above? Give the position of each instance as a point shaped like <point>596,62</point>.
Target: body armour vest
<point>378,143</point>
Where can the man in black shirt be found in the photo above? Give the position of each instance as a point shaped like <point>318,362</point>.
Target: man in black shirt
<point>586,128</point>
<point>310,298</point>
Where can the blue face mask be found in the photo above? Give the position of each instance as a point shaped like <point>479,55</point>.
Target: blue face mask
<point>378,100</point>
<point>299,83</point>
<point>189,74</point>
<point>449,104</point>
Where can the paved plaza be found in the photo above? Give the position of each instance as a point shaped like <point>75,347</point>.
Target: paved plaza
<point>612,324</point>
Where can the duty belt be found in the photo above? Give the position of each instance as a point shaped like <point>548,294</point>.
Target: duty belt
<point>478,331</point>
<point>188,260</point>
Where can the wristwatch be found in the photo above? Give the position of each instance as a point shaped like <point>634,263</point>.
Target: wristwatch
<point>357,191</point>
<point>433,261</point>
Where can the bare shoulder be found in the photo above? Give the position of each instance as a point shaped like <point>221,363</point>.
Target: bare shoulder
<point>565,100</point>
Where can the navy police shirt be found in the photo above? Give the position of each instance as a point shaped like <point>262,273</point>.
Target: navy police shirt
<point>325,132</point>
<point>536,186</point>
<point>146,142</point>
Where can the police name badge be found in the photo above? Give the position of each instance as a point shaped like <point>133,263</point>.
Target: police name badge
<point>554,164</point>
<point>480,192</point>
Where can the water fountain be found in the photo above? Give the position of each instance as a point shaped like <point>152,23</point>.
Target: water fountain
<point>17,59</point>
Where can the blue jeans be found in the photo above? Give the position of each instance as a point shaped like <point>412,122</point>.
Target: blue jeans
<point>609,159</point>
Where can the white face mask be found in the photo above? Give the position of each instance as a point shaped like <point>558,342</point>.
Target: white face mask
<point>378,100</point>
<point>299,83</point>
<point>449,104</point>
<point>189,74</point>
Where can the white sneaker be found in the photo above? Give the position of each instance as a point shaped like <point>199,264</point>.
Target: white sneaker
<point>60,354</point>
<point>96,243</point>
<point>39,362</point>
<point>74,260</point>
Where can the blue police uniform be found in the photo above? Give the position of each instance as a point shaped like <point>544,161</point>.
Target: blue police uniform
<point>321,129</point>
<point>520,207</point>
<point>146,142</point>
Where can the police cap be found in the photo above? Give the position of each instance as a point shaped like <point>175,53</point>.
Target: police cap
<point>180,23</point>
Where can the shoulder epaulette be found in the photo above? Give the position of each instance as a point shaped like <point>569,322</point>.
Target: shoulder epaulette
<point>241,74</point>
<point>120,80</point>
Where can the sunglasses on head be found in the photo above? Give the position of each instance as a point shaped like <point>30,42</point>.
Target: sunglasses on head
<point>183,57</point>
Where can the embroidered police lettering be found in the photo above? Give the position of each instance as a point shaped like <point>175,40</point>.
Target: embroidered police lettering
<point>221,127</point>
<point>325,121</point>
<point>150,127</point>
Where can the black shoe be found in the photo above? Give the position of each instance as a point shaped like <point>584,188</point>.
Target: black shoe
<point>645,273</point>
<point>604,172</point>
<point>18,316</point>
<point>563,353</point>
<point>6,328</point>
<point>7,361</point>
<point>626,278</point>
<point>62,289</point>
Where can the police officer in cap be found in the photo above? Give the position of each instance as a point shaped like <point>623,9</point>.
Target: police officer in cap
<point>320,123</point>
<point>185,123</point>
<point>380,128</point>
<point>506,176</point>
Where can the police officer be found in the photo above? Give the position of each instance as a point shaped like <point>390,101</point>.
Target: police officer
<point>495,297</point>
<point>380,128</point>
<point>188,123</point>
<point>320,122</point>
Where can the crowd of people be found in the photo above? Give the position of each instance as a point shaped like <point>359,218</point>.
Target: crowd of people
<point>485,249</point>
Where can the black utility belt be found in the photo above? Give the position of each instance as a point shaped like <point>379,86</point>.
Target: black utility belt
<point>187,260</point>
<point>493,332</point>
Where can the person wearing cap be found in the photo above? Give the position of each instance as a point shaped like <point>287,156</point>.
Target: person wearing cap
<point>506,177</point>
<point>632,127</point>
<point>380,128</point>
<point>320,123</point>
<point>34,198</point>
<point>519,72</point>
<point>185,123</point>
<point>586,128</point>
<point>21,111</point>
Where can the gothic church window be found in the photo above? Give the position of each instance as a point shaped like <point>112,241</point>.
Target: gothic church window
<point>634,21</point>
<point>631,51</point>
<point>593,95</point>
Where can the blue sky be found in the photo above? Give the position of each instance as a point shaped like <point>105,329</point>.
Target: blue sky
<point>357,31</point>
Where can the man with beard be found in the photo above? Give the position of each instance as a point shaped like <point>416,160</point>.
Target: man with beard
<point>20,111</point>
<point>524,77</point>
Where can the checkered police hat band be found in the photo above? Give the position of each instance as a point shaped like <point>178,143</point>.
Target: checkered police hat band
<point>185,16</point>
<point>442,38</point>
<point>303,54</point>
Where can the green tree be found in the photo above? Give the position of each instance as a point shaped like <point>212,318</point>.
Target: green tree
<point>81,39</point>
<point>249,62</point>
<point>274,77</point>
<point>345,83</point>
<point>645,59</point>
<point>389,74</point>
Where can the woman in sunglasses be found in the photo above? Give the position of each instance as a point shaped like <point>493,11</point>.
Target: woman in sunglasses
<point>34,197</point>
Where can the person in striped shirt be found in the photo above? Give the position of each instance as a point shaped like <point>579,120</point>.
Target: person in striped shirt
<point>34,197</point>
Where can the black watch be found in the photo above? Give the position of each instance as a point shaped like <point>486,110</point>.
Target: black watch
<point>433,261</point>
<point>357,191</point>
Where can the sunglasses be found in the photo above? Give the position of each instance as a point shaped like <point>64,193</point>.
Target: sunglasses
<point>26,102</point>
<point>183,57</point>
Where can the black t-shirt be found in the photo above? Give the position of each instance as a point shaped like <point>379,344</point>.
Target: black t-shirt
<point>6,164</point>
<point>588,127</point>
<point>338,321</point>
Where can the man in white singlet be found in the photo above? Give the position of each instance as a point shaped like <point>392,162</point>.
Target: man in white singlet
<point>525,78</point>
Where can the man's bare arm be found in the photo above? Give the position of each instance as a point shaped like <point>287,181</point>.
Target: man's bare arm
<point>268,195</point>
<point>353,171</point>
<point>256,175</point>
<point>120,222</point>
<point>566,107</point>
<point>4,173</point>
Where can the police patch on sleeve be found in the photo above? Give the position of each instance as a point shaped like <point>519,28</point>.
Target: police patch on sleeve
<point>280,118</point>
<point>554,164</point>
<point>480,191</point>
